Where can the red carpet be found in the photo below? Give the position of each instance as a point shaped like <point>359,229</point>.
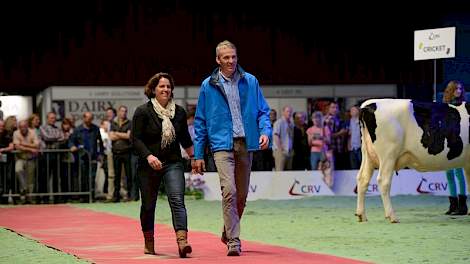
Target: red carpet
<point>106,238</point>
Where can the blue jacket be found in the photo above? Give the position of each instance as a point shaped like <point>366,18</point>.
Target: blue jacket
<point>213,120</point>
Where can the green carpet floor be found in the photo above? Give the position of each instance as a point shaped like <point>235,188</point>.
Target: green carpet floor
<point>316,224</point>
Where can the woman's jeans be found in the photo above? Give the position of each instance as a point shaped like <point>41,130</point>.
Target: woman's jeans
<point>315,157</point>
<point>172,175</point>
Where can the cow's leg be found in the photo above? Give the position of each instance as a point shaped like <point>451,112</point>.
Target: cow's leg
<point>385,181</point>
<point>362,182</point>
<point>466,170</point>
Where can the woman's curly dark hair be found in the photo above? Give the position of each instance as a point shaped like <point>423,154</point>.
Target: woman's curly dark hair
<point>153,82</point>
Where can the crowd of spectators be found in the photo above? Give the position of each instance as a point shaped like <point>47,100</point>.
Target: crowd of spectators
<point>55,160</point>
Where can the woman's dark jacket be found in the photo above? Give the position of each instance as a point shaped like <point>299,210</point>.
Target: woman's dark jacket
<point>146,134</point>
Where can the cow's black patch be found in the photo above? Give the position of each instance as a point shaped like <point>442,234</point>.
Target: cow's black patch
<point>367,117</point>
<point>439,122</point>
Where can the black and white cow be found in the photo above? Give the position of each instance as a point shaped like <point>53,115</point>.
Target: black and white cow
<point>398,133</point>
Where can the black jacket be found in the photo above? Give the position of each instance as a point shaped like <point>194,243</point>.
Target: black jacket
<point>146,134</point>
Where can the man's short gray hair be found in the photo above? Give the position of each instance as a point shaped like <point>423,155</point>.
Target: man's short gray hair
<point>224,44</point>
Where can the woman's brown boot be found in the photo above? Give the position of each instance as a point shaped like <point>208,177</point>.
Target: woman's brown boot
<point>183,246</point>
<point>149,247</point>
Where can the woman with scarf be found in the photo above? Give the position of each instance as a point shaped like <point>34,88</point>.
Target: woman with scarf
<point>158,128</point>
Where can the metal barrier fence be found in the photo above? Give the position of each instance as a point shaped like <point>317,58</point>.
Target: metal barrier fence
<point>50,173</point>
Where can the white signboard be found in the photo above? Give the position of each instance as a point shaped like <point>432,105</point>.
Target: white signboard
<point>435,43</point>
<point>19,106</point>
<point>287,185</point>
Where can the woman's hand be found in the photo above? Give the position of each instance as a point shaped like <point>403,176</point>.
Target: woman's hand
<point>198,166</point>
<point>154,162</point>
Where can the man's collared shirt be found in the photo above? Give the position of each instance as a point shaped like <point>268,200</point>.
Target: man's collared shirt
<point>51,135</point>
<point>233,97</point>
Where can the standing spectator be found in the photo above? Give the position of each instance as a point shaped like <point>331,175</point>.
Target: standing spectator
<point>158,129</point>
<point>10,127</point>
<point>318,138</point>
<point>34,122</point>
<point>268,158</point>
<point>11,124</point>
<point>272,116</point>
<point>283,136</point>
<point>190,122</point>
<point>67,129</point>
<point>52,136</point>
<point>66,157</point>
<point>336,146</point>
<point>232,116</point>
<point>354,139</point>
<point>263,159</point>
<point>111,114</point>
<point>104,125</point>
<point>339,133</point>
<point>6,160</point>
<point>121,148</point>
<point>72,122</point>
<point>455,94</point>
<point>109,172</point>
<point>301,159</point>
<point>27,143</point>
<point>87,137</point>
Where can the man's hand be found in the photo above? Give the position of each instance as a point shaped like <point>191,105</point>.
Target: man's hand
<point>154,162</point>
<point>198,166</point>
<point>263,142</point>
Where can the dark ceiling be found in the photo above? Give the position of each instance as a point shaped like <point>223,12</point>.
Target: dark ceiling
<point>46,43</point>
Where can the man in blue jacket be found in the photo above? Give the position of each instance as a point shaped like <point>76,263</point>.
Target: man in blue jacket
<point>232,117</point>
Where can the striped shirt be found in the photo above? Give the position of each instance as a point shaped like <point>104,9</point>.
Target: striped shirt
<point>233,97</point>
